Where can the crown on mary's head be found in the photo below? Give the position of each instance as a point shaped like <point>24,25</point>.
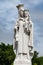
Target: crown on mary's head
<point>20,5</point>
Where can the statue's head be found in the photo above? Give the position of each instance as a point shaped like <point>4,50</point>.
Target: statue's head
<point>26,13</point>
<point>20,8</point>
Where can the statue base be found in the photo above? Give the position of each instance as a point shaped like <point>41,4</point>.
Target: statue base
<point>22,62</point>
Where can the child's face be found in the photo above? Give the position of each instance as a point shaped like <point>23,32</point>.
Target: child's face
<point>26,13</point>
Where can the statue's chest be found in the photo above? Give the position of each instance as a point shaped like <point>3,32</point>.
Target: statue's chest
<point>21,28</point>
<point>21,23</point>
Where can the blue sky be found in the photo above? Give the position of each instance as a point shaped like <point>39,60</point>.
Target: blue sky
<point>8,17</point>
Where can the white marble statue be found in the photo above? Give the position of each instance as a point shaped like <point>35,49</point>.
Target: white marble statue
<point>23,37</point>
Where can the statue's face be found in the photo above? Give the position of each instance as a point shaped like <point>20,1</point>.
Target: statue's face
<point>21,13</point>
<point>26,13</point>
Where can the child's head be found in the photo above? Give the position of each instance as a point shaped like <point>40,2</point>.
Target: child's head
<point>26,13</point>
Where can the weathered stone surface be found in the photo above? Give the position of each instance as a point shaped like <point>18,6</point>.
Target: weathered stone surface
<point>23,37</point>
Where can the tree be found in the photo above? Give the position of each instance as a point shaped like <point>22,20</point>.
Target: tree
<point>37,60</point>
<point>40,60</point>
<point>34,57</point>
<point>7,55</point>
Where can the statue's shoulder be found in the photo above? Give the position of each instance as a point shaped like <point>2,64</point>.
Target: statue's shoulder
<point>21,19</point>
<point>32,24</point>
<point>30,21</point>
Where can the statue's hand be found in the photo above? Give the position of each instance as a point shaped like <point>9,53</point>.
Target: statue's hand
<point>27,31</point>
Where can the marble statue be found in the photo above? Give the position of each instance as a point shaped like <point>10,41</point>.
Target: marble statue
<point>23,37</point>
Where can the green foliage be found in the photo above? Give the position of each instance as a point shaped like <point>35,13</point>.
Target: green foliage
<point>7,55</point>
<point>40,60</point>
<point>34,57</point>
<point>37,60</point>
<point>35,63</point>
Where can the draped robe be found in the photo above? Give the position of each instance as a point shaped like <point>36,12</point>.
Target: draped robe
<point>22,37</point>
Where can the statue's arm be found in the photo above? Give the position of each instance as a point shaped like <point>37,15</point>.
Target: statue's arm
<point>14,49</point>
<point>31,41</point>
<point>14,37</point>
<point>16,28</point>
<point>17,25</point>
<point>14,40</point>
<point>31,36</point>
